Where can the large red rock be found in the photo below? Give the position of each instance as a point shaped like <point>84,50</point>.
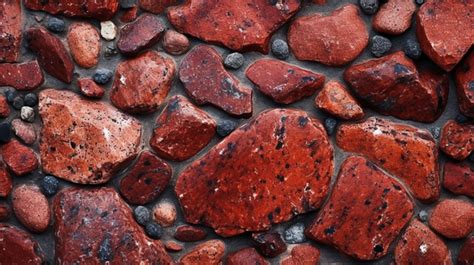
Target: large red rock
<point>303,254</point>
<point>283,82</point>
<point>85,141</point>
<point>20,159</point>
<point>22,76</point>
<point>334,39</point>
<point>31,207</point>
<point>405,151</point>
<point>246,256</point>
<point>337,101</point>
<point>465,85</point>
<point>52,55</point>
<point>459,178</point>
<point>140,34</point>
<point>393,85</point>
<point>245,25</point>
<point>18,247</point>
<point>265,172</point>
<point>419,245</point>
<point>444,30</point>
<point>182,130</point>
<point>10,30</point>
<point>210,253</point>
<point>457,139</point>
<point>95,226</point>
<point>362,222</point>
<point>394,17</point>
<point>466,254</point>
<point>84,42</point>
<point>98,9</point>
<point>6,184</point>
<point>156,7</point>
<point>206,81</point>
<point>141,84</point>
<point>453,218</point>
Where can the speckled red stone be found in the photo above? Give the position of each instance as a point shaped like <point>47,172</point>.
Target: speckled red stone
<point>188,233</point>
<point>210,253</point>
<point>303,254</point>
<point>156,7</point>
<point>18,247</point>
<point>394,17</point>
<point>24,130</point>
<point>140,34</point>
<point>21,160</point>
<point>453,218</point>
<point>459,178</point>
<point>246,256</point>
<point>337,101</point>
<point>4,107</point>
<point>101,10</point>
<point>5,181</point>
<point>31,207</point>
<point>22,76</point>
<point>84,43</point>
<point>466,254</point>
<point>457,140</point>
<point>89,88</point>
<point>465,85</point>
<point>11,21</point>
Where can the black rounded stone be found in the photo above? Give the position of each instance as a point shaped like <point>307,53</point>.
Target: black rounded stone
<point>369,7</point>
<point>380,46</point>
<point>412,49</point>
<point>49,185</point>
<point>225,127</point>
<point>31,100</point>
<point>55,24</point>
<point>153,230</point>
<point>102,76</point>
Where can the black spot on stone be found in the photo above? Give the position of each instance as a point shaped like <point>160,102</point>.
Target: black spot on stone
<point>281,177</point>
<point>302,121</point>
<point>105,252</point>
<point>378,248</point>
<point>400,69</point>
<point>330,230</point>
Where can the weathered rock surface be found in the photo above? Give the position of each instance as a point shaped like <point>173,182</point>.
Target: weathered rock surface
<point>453,218</point>
<point>140,34</point>
<point>21,160</point>
<point>459,178</point>
<point>10,30</point>
<point>89,88</point>
<point>245,25</point>
<point>22,76</point>
<point>362,222</point>
<point>84,141</point>
<point>265,172</point>
<point>283,82</point>
<point>210,253</point>
<point>394,17</point>
<point>466,254</point>
<point>156,7</point>
<point>337,101</point>
<point>101,10</point>
<point>206,81</point>
<point>246,256</point>
<point>304,254</point>
<point>457,139</point>
<point>141,84</point>
<point>31,207</point>
<point>188,233</point>
<point>334,39</point>
<point>5,181</point>
<point>394,86</point>
<point>465,85</point>
<point>18,247</point>
<point>93,226</point>
<point>84,43</point>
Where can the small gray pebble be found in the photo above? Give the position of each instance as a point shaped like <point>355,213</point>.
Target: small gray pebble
<point>436,131</point>
<point>27,114</point>
<point>295,234</point>
<point>18,102</point>
<point>380,45</point>
<point>154,230</point>
<point>234,60</point>
<point>369,7</point>
<point>102,76</point>
<point>31,99</point>
<point>55,24</point>
<point>142,215</point>
<point>280,49</point>
<point>423,216</point>
<point>412,49</point>
<point>330,125</point>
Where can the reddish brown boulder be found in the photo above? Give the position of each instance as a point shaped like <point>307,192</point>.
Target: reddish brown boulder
<point>265,172</point>
<point>419,245</point>
<point>457,139</point>
<point>188,233</point>
<point>394,17</point>
<point>453,218</point>
<point>210,253</point>
<point>52,55</point>
<point>85,141</point>
<point>304,254</point>
<point>337,101</point>
<point>156,7</point>
<point>89,88</point>
<point>6,184</point>
<point>175,43</point>
<point>246,256</point>
<point>4,212</point>
<point>444,29</point>
<point>381,82</point>
<point>84,42</point>
<point>4,107</point>
<point>283,82</point>
<point>182,130</point>
<point>269,244</point>
<point>31,207</point>
<point>245,25</point>
<point>22,76</point>
<point>146,180</point>
<point>140,34</point>
<point>362,222</point>
<point>459,178</point>
<point>141,84</point>
<point>93,226</point>
<point>20,159</point>
<point>173,246</point>
<point>10,30</point>
<point>206,81</point>
<point>101,10</point>
<point>465,85</point>
<point>466,254</point>
<point>24,130</point>
<point>18,247</point>
<point>334,39</point>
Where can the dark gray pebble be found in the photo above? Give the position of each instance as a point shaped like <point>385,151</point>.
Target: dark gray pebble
<point>380,45</point>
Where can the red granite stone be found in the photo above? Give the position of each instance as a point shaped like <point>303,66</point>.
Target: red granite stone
<point>405,151</point>
<point>85,141</point>
<point>84,43</point>
<point>362,222</point>
<point>419,245</point>
<point>337,101</point>
<point>210,253</point>
<point>246,256</point>
<point>465,85</point>
<point>394,17</point>
<point>381,82</point>
<point>466,254</point>
<point>22,76</point>
<point>51,53</point>
<point>4,211</point>
<point>269,244</point>
<point>453,218</point>
<point>93,226</point>
<point>20,159</point>
<point>188,233</point>
<point>283,82</point>
<point>141,84</point>
<point>182,130</point>
<point>156,7</point>
<point>18,247</point>
<point>335,39</point>
<point>206,81</point>
<point>175,43</point>
<point>89,88</point>
<point>172,246</point>
<point>457,140</point>
<point>31,207</point>
<point>24,130</point>
<point>97,9</point>
<point>265,172</point>
<point>10,30</point>
<point>304,254</point>
<point>5,181</point>
<point>4,107</point>
<point>146,180</point>
<point>129,15</point>
<point>140,34</point>
<point>459,178</point>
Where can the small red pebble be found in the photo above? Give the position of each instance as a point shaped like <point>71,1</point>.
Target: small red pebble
<point>453,218</point>
<point>337,101</point>
<point>84,44</point>
<point>175,43</point>
<point>459,178</point>
<point>31,207</point>
<point>20,159</point>
<point>188,233</point>
<point>466,254</point>
<point>24,130</point>
<point>4,107</point>
<point>269,244</point>
<point>140,34</point>
<point>304,254</point>
<point>246,256</point>
<point>22,76</point>
<point>5,182</point>
<point>457,139</point>
<point>89,88</point>
<point>173,246</point>
<point>394,17</point>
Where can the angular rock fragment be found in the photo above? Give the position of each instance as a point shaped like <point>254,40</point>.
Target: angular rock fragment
<point>210,253</point>
<point>453,218</point>
<point>22,76</point>
<point>206,81</point>
<point>265,172</point>
<point>10,30</point>
<point>20,159</point>
<point>362,222</point>
<point>245,25</point>
<point>283,82</point>
<point>465,85</point>
<point>18,247</point>
<point>394,17</point>
<point>459,178</point>
<point>457,139</point>
<point>246,256</point>
<point>466,254</point>
<point>334,39</point>
<point>140,34</point>
<point>84,42</point>
<point>101,10</point>
<point>31,207</point>
<point>304,254</point>
<point>5,181</point>
<point>84,141</point>
<point>188,233</point>
<point>337,101</point>
<point>156,7</point>
<point>89,88</point>
<point>269,244</point>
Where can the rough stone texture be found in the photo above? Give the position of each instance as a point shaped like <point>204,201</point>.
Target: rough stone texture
<point>84,43</point>
<point>87,221</point>
<point>31,207</point>
<point>210,253</point>
<point>265,172</point>
<point>334,39</point>
<point>20,159</point>
<point>84,141</point>
<point>4,212</point>
<point>89,88</point>
<point>269,244</point>
<point>283,82</point>
<point>394,17</point>
<point>465,85</point>
<point>175,43</point>
<point>188,233</point>
<point>453,218</point>
<point>22,76</point>
<point>164,213</point>
<point>24,130</point>
<point>380,83</point>
<point>141,84</point>
<point>419,245</point>
<point>140,34</point>
<point>362,222</point>
<point>51,53</point>
<point>18,247</point>
<point>98,9</point>
<point>206,81</point>
<point>5,181</point>
<point>4,107</point>
<point>156,7</point>
<point>304,254</point>
<point>466,254</point>
<point>337,101</point>
<point>10,30</point>
<point>457,140</point>
<point>246,256</point>
<point>459,178</point>
<point>245,25</point>
<point>182,130</point>
<point>146,180</point>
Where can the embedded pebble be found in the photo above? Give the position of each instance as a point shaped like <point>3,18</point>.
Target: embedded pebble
<point>164,213</point>
<point>108,30</point>
<point>280,49</point>
<point>369,7</point>
<point>27,114</point>
<point>153,230</point>
<point>225,127</point>
<point>102,76</point>
<point>31,207</point>
<point>234,60</point>
<point>412,49</point>
<point>30,100</point>
<point>142,215</point>
<point>56,25</point>
<point>380,46</point>
<point>295,234</point>
<point>49,185</point>
<point>175,43</point>
<point>5,132</point>
<point>25,131</point>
